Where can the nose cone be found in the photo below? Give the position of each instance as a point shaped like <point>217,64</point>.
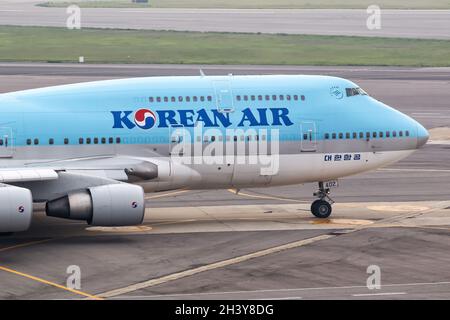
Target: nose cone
<point>422,135</point>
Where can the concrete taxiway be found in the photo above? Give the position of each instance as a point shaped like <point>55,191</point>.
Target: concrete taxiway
<point>433,24</point>
<point>260,243</point>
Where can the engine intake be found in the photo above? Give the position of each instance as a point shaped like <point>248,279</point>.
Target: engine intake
<point>16,209</point>
<point>109,205</point>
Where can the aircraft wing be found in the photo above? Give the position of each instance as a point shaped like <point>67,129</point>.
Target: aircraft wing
<point>27,174</point>
<point>110,167</point>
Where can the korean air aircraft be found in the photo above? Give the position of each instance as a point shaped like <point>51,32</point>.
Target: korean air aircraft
<point>91,150</point>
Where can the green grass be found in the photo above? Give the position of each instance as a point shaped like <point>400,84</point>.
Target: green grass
<point>131,46</point>
<point>268,4</point>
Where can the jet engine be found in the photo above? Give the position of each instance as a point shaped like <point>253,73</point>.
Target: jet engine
<point>108,205</point>
<point>16,209</point>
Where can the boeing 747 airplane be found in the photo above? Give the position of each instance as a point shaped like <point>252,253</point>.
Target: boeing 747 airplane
<point>91,150</point>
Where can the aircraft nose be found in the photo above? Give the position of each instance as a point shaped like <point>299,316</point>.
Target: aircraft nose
<point>422,135</point>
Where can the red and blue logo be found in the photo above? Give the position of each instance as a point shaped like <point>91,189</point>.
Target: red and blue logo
<point>144,118</point>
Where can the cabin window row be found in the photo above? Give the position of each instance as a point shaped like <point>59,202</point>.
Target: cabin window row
<point>180,99</point>
<point>232,138</point>
<point>365,135</point>
<point>272,97</point>
<point>103,140</point>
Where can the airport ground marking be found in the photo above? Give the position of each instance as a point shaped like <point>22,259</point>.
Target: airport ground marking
<point>50,283</point>
<point>166,194</point>
<point>263,197</point>
<point>200,294</point>
<point>213,266</point>
<point>27,244</point>
<point>378,294</point>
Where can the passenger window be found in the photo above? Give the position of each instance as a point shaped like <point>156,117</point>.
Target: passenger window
<point>381,134</point>
<point>333,135</point>
<point>341,135</point>
<point>51,141</point>
<point>166,99</point>
<point>296,97</point>
<point>361,135</point>
<point>111,140</point>
<point>238,98</point>
<point>347,135</point>
<point>81,141</point>
<point>288,97</point>
<point>253,98</point>
<point>1,142</point>
<point>66,141</point>
<point>158,99</point>
<point>173,99</point>
<point>355,135</point>
<point>209,98</point>
<point>327,136</point>
<point>96,140</point>
<point>400,133</point>
<point>213,138</point>
<point>151,99</point>
<point>235,138</point>
<point>305,136</point>
<point>36,141</point>
<point>194,98</point>
<point>260,98</point>
<point>88,140</point>
<point>281,97</point>
<point>367,135</point>
<point>117,140</point>
<point>103,140</point>
<point>388,134</point>
<point>274,97</point>
<point>188,99</point>
<point>245,98</point>
<point>374,134</point>
<point>303,97</point>
<point>202,98</point>
<point>267,97</point>
<point>394,134</point>
<point>407,133</point>
<point>28,141</point>
<point>180,99</point>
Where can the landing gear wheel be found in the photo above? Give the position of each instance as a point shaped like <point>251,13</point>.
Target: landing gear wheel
<point>321,209</point>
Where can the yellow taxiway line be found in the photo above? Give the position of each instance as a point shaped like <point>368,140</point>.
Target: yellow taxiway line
<point>24,245</point>
<point>264,197</point>
<point>167,194</point>
<point>28,276</point>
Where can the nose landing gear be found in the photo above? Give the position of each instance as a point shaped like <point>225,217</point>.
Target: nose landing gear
<point>321,208</point>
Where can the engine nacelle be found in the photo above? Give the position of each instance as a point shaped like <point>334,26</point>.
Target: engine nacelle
<point>16,209</point>
<point>108,205</point>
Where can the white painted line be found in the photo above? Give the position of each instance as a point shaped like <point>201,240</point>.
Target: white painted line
<point>181,295</point>
<point>212,266</point>
<point>378,294</point>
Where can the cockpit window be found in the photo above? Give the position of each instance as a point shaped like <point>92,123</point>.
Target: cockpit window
<point>355,92</point>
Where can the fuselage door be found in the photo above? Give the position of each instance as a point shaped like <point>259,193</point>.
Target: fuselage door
<point>223,95</point>
<point>308,136</point>
<point>6,143</point>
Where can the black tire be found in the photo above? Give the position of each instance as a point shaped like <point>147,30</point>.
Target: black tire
<point>321,209</point>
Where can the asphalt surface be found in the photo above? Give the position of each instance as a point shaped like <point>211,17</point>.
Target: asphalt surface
<point>261,243</point>
<point>428,24</point>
